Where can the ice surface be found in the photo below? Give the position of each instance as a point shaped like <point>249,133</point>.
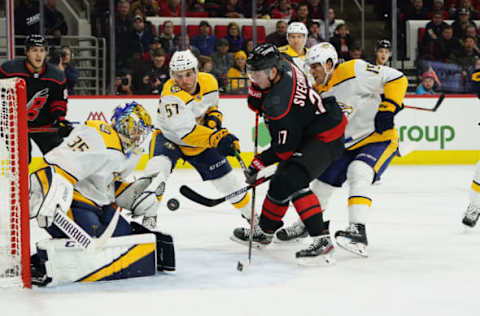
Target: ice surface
<point>422,261</point>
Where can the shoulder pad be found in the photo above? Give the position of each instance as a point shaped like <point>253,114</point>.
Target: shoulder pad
<point>14,66</point>
<point>53,72</point>
<point>207,82</point>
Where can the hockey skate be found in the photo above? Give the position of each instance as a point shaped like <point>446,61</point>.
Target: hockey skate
<point>292,233</point>
<point>471,216</point>
<point>353,239</point>
<point>260,239</point>
<point>319,252</point>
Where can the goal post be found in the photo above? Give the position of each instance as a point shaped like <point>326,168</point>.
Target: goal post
<point>14,209</point>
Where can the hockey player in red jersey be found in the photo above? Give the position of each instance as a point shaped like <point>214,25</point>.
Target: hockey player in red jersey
<point>307,136</point>
<point>47,94</point>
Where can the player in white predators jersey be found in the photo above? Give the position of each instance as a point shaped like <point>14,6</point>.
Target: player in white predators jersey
<point>84,177</point>
<point>370,96</point>
<point>190,127</point>
<point>297,34</point>
<point>473,210</point>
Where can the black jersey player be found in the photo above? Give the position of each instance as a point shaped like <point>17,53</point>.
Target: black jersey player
<point>307,136</point>
<point>47,95</point>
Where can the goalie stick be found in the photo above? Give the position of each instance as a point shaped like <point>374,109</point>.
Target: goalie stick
<point>80,236</point>
<point>434,109</point>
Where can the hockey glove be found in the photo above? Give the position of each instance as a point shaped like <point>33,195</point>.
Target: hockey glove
<point>213,120</point>
<point>252,171</point>
<point>254,99</point>
<point>225,142</point>
<point>64,127</point>
<point>383,121</point>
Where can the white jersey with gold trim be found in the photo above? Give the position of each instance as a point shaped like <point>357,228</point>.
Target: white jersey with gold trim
<point>357,86</point>
<point>92,159</point>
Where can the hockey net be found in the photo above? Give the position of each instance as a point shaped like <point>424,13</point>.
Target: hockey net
<point>14,211</point>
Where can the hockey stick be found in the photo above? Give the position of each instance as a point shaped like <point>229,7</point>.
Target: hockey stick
<point>79,235</point>
<point>189,193</point>
<point>35,130</point>
<point>434,109</point>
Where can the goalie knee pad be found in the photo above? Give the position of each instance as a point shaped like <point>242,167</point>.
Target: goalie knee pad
<point>287,180</point>
<point>158,165</point>
<point>165,248</point>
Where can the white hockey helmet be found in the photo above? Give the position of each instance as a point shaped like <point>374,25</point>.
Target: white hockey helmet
<point>297,28</point>
<point>183,60</point>
<point>321,53</point>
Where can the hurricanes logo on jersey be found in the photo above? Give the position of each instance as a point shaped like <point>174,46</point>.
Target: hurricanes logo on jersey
<point>36,103</point>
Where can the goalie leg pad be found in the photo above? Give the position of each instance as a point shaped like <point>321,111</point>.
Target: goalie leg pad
<point>122,258</point>
<point>165,248</point>
<point>93,220</point>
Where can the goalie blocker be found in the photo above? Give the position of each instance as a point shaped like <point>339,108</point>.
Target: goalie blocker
<point>60,261</point>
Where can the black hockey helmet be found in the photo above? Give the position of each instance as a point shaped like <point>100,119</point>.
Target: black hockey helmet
<point>264,56</point>
<point>35,40</point>
<point>383,44</point>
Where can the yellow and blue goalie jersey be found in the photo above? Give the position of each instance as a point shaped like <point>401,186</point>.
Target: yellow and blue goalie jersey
<point>180,114</point>
<point>358,86</point>
<point>92,159</point>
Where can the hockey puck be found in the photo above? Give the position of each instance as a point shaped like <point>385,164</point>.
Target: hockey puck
<point>240,266</point>
<point>173,204</point>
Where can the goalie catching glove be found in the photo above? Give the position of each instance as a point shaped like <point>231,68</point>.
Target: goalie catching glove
<point>49,193</point>
<point>142,197</point>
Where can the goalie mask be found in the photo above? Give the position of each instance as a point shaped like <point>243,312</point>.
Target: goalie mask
<point>133,125</point>
<point>320,54</point>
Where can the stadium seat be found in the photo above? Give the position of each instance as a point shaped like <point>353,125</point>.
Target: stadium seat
<point>195,14</point>
<point>220,31</point>
<point>193,30</point>
<point>421,34</point>
<point>247,33</point>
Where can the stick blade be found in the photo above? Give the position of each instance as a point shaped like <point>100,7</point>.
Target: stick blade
<point>200,199</point>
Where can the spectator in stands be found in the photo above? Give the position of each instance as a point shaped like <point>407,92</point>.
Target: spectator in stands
<point>282,9</point>
<point>238,70</point>
<point>27,18</point>
<point>55,23</point>
<point>315,9</point>
<point>148,56</point>
<point>195,51</point>
<point>231,9</point>
<point>141,38</point>
<point>438,7</point>
<point>168,39</point>
<point>122,84</point>
<point>222,61</point>
<point>342,41</point>
<point>205,64</point>
<point>170,8</point>
<point>467,4</point>
<point>196,6</point>
<point>427,84</point>
<point>331,24</point>
<point>248,47</point>
<point>434,28</point>
<point>71,73</point>
<point>461,23</point>
<point>123,21</point>
<point>466,57</point>
<point>416,11</point>
<point>471,31</point>
<point>476,78</point>
<point>279,37</point>
<point>302,15</point>
<point>234,38</point>
<point>148,7</point>
<point>263,9</point>
<point>443,48</point>
<point>204,41</point>
<point>355,53</point>
<point>314,36</point>
<point>150,78</point>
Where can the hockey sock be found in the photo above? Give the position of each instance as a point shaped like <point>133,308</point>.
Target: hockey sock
<point>309,210</point>
<point>272,214</point>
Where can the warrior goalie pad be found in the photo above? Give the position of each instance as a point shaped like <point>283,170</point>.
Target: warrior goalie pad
<point>122,258</point>
<point>49,193</point>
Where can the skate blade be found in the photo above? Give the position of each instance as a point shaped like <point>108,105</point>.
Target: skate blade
<point>246,242</point>
<point>357,248</point>
<point>321,260</point>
